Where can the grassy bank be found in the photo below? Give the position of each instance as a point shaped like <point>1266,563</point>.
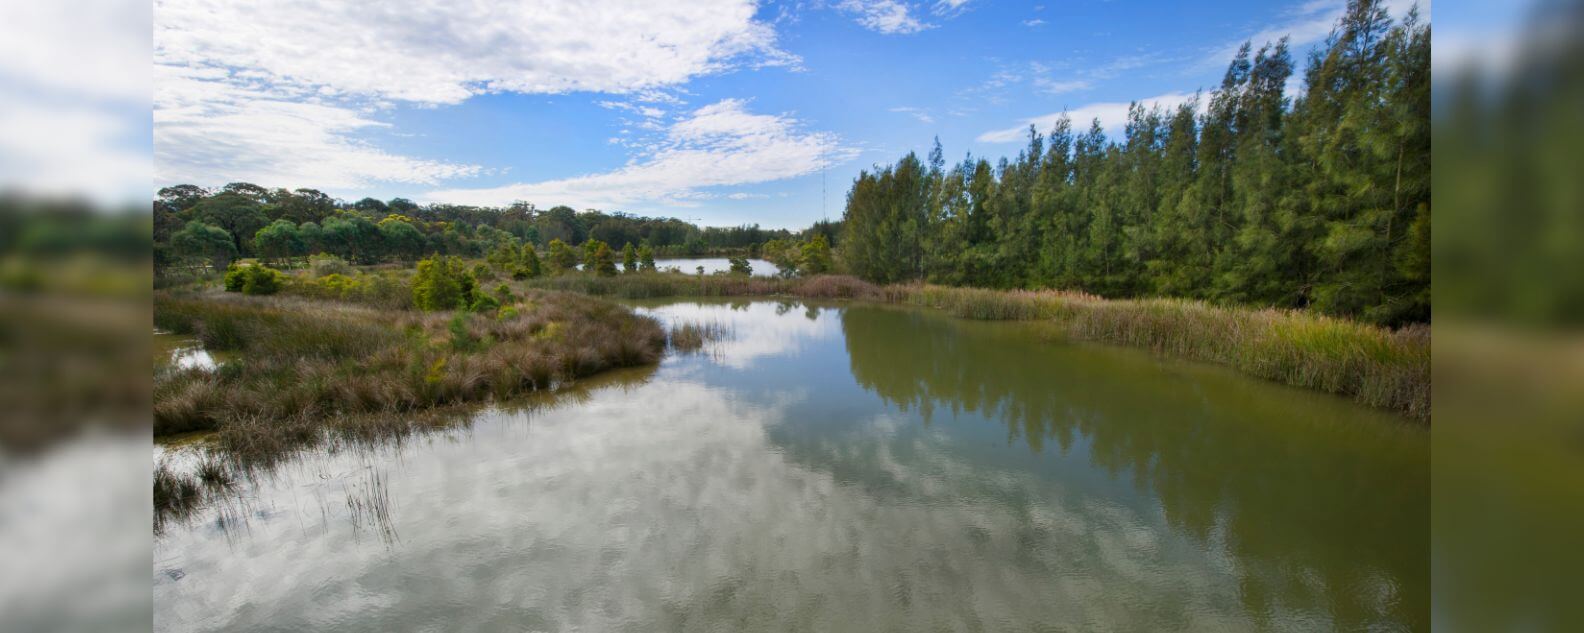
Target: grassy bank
<point>303,362</point>
<point>1375,366</point>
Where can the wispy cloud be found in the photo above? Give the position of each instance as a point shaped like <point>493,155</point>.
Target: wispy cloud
<point>1304,24</point>
<point>722,144</point>
<point>1033,23</point>
<point>211,128</point>
<point>921,114</point>
<point>900,17</point>
<point>254,90</point>
<point>891,17</point>
<point>1112,116</point>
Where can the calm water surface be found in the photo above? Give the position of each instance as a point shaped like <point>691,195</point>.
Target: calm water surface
<point>761,268</point>
<point>840,468</point>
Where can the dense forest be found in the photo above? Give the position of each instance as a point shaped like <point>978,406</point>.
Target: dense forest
<point>193,224</point>
<point>1317,200</point>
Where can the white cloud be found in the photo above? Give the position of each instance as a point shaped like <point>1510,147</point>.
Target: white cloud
<point>1033,23</point>
<point>890,17</point>
<point>721,144</point>
<point>922,115</point>
<point>89,48</point>
<point>950,8</point>
<point>70,150</point>
<point>74,90</point>
<point>280,91</point>
<point>210,128</point>
<point>1112,116</point>
<point>1054,87</point>
<point>439,51</point>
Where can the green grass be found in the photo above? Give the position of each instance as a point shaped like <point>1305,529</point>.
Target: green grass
<point>1375,366</point>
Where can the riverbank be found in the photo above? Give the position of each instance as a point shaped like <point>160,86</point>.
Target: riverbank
<point>1375,366</point>
<point>302,364</point>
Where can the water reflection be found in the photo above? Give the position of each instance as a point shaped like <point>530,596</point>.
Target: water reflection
<point>840,468</point>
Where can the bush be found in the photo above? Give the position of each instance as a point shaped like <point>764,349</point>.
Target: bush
<point>235,278</point>
<point>386,290</point>
<point>262,281</point>
<point>442,283</point>
<point>325,264</point>
<point>253,279</point>
<point>483,303</point>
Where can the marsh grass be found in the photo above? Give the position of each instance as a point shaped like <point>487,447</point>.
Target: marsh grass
<point>691,336</point>
<point>176,495</point>
<point>303,363</point>
<point>1375,366</point>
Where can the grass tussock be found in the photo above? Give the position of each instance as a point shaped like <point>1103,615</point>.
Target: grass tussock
<point>306,363</point>
<point>1375,366</point>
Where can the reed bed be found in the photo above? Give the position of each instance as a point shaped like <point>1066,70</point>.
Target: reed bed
<point>306,363</point>
<point>1375,366</point>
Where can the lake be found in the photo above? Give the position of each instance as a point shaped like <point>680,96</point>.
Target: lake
<point>761,268</point>
<point>841,467</point>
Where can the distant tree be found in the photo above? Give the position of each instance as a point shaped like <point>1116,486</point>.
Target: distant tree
<point>204,243</point>
<point>784,254</point>
<point>529,262</point>
<point>504,256</point>
<point>279,241</point>
<point>561,258</point>
<point>740,266</point>
<point>239,215</point>
<point>591,253</point>
<point>646,258</point>
<point>403,206</point>
<point>179,198</point>
<point>372,206</point>
<point>401,239</point>
<point>815,256</point>
<point>247,190</point>
<point>604,260</point>
<point>353,237</point>
<point>629,258</point>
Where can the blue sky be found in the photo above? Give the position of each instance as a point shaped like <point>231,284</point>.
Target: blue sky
<point>722,111</point>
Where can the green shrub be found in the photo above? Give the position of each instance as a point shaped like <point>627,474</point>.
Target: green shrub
<point>483,303</point>
<point>262,281</point>
<point>442,284</point>
<point>253,279</point>
<point>235,278</point>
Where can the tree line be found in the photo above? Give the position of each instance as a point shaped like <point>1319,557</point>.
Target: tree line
<point>1316,200</point>
<point>194,224</point>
